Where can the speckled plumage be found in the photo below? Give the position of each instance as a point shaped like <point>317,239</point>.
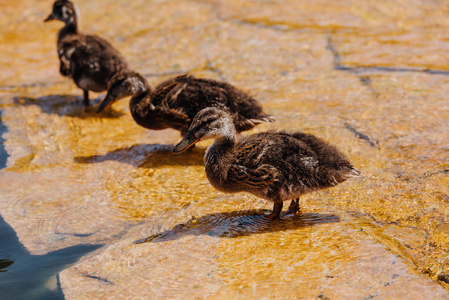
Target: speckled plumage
<point>276,166</point>
<point>175,102</point>
<point>88,59</point>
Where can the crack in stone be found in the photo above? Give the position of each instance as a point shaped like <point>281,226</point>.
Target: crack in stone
<point>98,278</point>
<point>277,27</point>
<point>357,70</point>
<point>362,136</point>
<point>409,177</point>
<point>366,81</point>
<point>360,221</point>
<point>430,173</point>
<point>335,54</point>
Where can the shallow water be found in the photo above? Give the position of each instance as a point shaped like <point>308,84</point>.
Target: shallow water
<point>371,78</point>
<point>26,276</point>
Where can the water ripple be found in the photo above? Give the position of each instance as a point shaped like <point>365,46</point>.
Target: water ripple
<point>238,223</point>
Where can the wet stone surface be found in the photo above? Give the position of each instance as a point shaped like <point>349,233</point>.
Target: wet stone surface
<point>370,77</point>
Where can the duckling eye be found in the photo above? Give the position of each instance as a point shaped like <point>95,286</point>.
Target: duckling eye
<point>120,82</point>
<point>207,122</point>
<point>66,12</point>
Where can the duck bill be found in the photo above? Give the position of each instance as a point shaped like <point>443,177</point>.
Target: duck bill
<point>188,141</point>
<point>49,18</point>
<point>107,101</point>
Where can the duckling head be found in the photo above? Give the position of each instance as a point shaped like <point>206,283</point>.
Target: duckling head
<point>64,11</point>
<point>122,85</point>
<point>209,123</point>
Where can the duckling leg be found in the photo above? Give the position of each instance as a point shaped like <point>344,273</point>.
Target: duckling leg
<point>277,208</point>
<point>293,208</point>
<point>86,97</point>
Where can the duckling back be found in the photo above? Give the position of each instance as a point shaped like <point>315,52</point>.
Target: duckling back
<point>194,94</point>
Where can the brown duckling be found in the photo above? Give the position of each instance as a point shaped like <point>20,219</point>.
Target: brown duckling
<point>88,59</point>
<point>276,166</point>
<point>175,102</point>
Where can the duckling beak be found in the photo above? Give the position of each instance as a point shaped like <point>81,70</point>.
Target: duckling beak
<point>107,101</point>
<point>50,17</point>
<point>188,141</point>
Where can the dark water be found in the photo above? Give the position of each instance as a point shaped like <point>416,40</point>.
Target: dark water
<point>22,275</point>
<point>3,154</point>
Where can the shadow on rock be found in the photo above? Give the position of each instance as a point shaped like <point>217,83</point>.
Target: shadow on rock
<point>239,223</point>
<point>65,105</point>
<point>148,156</point>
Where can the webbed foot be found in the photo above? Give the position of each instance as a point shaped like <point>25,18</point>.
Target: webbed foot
<point>277,208</point>
<point>293,208</point>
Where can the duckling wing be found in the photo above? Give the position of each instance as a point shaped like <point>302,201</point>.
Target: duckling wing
<point>66,48</point>
<point>190,94</point>
<point>248,171</point>
<point>306,162</point>
<point>166,94</point>
<point>64,64</point>
<point>250,151</point>
<point>161,91</point>
<point>243,178</point>
<point>163,117</point>
<point>291,160</point>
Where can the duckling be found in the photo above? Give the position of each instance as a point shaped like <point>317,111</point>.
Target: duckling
<point>276,166</point>
<point>175,102</point>
<point>88,59</point>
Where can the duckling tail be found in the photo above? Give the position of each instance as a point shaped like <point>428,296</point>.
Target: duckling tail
<point>269,119</point>
<point>354,173</point>
<point>262,119</point>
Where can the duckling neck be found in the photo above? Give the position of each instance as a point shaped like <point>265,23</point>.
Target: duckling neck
<point>144,112</point>
<point>72,25</point>
<point>216,160</point>
<point>147,115</point>
<point>69,29</point>
<point>140,103</point>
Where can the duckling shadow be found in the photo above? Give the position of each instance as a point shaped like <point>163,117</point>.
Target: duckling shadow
<point>147,156</point>
<point>237,224</point>
<point>66,105</point>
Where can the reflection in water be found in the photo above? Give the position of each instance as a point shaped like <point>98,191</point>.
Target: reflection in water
<point>239,223</point>
<point>23,276</point>
<point>3,153</point>
<point>148,156</point>
<point>66,105</point>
